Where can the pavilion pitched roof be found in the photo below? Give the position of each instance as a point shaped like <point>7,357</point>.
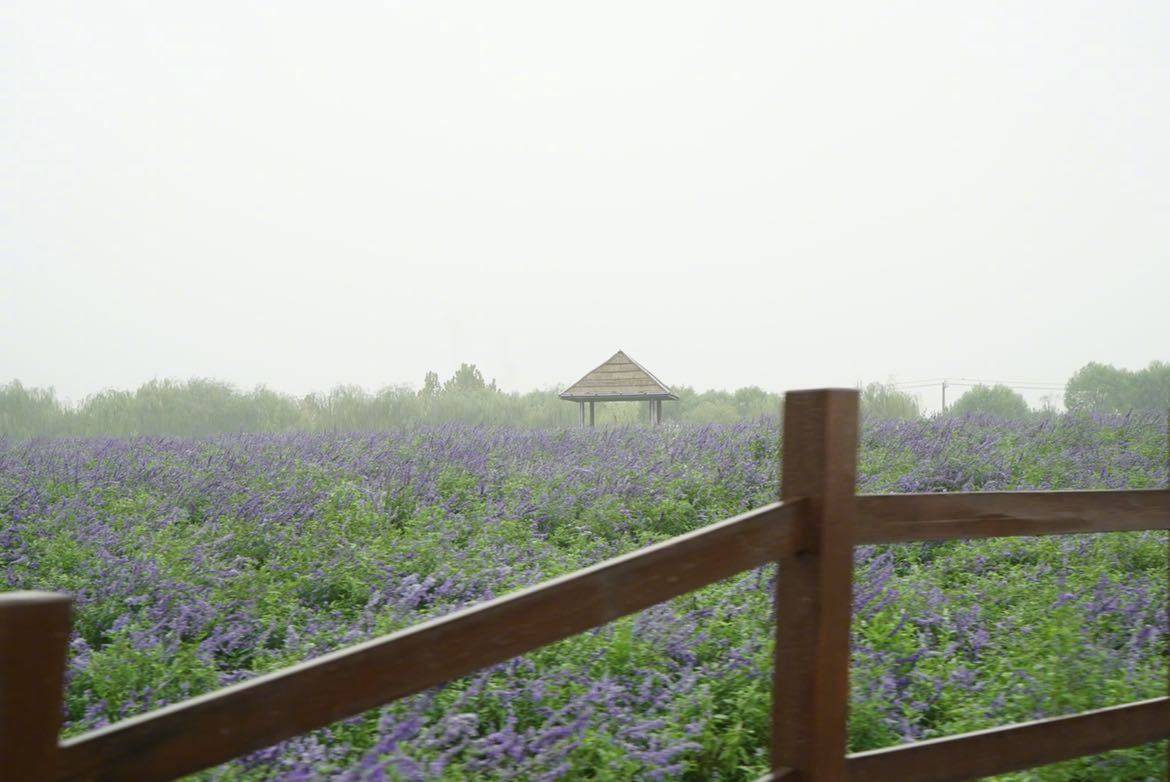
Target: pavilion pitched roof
<point>618,379</point>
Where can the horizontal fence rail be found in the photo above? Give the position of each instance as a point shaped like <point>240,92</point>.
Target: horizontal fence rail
<point>210,729</point>
<point>1015,747</point>
<point>811,534</point>
<point>905,518</point>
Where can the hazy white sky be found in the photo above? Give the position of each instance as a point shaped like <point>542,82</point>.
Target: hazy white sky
<point>780,194</point>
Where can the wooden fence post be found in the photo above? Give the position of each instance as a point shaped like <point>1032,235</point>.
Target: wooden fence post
<point>34,636</point>
<point>814,587</point>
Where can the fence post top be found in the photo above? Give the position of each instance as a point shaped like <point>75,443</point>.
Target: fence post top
<point>830,390</point>
<point>33,598</point>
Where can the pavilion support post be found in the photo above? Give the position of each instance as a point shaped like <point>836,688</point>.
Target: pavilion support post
<point>581,411</point>
<point>814,587</point>
<point>34,636</point>
<point>591,414</point>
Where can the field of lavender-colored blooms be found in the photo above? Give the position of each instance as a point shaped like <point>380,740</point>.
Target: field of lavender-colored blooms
<point>196,563</point>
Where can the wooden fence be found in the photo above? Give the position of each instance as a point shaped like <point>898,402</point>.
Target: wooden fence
<point>811,533</point>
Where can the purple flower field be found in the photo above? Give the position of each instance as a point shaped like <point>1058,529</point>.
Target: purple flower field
<point>197,563</point>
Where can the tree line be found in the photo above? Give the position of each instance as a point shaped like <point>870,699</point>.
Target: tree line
<point>1094,388</point>
<point>1106,389</point>
<point>203,407</point>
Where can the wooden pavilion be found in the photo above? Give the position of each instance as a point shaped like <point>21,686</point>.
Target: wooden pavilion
<point>620,379</point>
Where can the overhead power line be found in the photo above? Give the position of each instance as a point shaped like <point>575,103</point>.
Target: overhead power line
<point>1013,383</point>
<point>1023,386</point>
<point>968,382</point>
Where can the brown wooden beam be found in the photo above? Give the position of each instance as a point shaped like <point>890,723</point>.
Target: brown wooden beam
<point>34,636</point>
<point>810,694</point>
<point>900,518</point>
<point>1015,747</point>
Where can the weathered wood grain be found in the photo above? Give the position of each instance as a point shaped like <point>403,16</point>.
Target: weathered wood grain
<point>34,636</point>
<point>1015,747</point>
<point>216,727</point>
<point>810,697</point>
<point>900,518</point>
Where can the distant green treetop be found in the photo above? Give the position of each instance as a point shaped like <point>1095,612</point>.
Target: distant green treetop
<point>881,401</point>
<point>998,400</point>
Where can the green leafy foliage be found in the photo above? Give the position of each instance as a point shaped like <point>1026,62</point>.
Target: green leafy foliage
<point>884,402</point>
<point>998,401</point>
<point>1102,388</point>
<point>196,408</point>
